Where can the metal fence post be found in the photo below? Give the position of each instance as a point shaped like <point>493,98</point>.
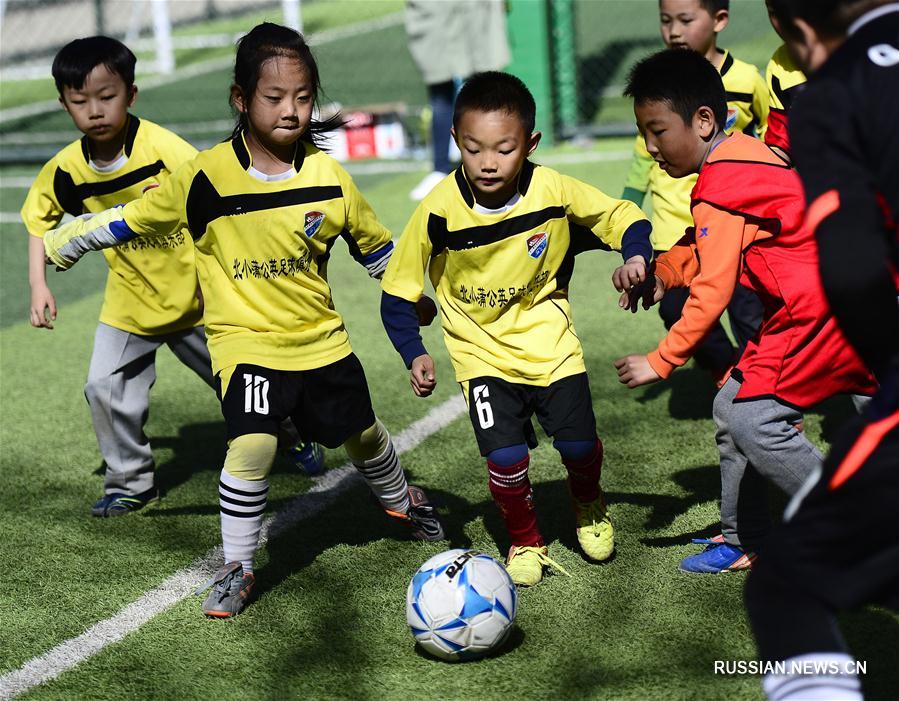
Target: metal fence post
<point>564,65</point>
<point>528,24</point>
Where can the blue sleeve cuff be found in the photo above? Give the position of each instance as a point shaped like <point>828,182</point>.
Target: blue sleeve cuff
<point>401,323</point>
<point>635,241</point>
<point>121,231</point>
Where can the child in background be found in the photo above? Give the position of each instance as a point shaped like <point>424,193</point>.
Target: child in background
<point>753,233</point>
<point>497,238</point>
<point>785,82</point>
<point>695,24</point>
<point>150,297</point>
<point>264,209</point>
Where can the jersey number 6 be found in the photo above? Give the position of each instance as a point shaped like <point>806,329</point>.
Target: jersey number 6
<point>485,412</point>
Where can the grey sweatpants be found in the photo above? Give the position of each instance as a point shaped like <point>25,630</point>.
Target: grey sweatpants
<point>758,441</point>
<point>122,371</point>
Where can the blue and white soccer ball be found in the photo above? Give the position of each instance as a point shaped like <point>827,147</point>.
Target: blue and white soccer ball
<point>461,604</point>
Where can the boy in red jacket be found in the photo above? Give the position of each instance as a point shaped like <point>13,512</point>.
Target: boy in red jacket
<point>748,211</point>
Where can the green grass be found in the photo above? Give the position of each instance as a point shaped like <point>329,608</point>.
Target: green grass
<point>329,619</point>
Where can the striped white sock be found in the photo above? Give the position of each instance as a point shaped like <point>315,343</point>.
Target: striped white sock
<point>242,504</point>
<point>386,479</point>
<point>813,677</point>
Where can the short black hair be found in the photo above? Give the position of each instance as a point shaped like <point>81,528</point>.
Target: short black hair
<point>494,91</point>
<point>713,7</point>
<point>829,17</point>
<point>78,58</point>
<point>684,79</point>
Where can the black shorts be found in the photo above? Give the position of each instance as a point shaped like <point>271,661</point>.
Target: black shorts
<point>501,411</point>
<point>328,405</point>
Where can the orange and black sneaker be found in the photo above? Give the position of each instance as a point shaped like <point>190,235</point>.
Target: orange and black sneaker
<point>231,589</point>
<point>421,519</point>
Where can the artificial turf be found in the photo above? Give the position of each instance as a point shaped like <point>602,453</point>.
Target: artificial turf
<point>329,619</point>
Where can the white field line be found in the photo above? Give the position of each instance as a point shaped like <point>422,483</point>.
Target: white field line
<point>216,64</point>
<point>182,584</point>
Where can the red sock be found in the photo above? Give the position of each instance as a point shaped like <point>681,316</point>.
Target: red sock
<point>511,490</point>
<point>584,474</point>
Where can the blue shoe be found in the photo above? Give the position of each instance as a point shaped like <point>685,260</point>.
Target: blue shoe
<point>718,557</point>
<point>309,457</point>
<point>122,504</point>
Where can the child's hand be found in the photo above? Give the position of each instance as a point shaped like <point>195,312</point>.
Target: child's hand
<point>43,307</point>
<point>426,310</point>
<point>633,272</point>
<point>650,292</point>
<point>422,375</point>
<point>635,370</point>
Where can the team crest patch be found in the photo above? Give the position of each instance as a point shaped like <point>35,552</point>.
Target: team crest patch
<point>731,119</point>
<point>537,244</point>
<point>313,223</point>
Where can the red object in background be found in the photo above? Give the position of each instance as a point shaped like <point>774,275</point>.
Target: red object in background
<point>360,135</point>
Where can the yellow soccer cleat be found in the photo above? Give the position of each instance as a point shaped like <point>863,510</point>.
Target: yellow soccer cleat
<point>595,532</point>
<point>526,562</point>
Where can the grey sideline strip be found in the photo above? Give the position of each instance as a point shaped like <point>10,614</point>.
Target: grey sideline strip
<point>182,584</point>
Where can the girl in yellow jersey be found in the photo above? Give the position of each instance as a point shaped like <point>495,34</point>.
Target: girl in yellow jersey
<point>264,209</point>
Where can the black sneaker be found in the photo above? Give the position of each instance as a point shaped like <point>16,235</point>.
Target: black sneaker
<point>123,504</point>
<point>421,518</point>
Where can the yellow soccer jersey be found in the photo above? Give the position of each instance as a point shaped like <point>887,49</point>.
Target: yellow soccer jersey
<point>262,248</point>
<point>151,287</point>
<point>747,111</point>
<point>783,75</point>
<point>785,80</point>
<point>502,278</point>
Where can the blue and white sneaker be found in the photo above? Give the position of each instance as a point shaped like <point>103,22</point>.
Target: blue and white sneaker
<point>309,457</point>
<point>123,504</point>
<point>718,557</point>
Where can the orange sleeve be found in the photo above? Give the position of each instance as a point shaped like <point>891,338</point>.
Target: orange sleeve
<point>677,266</point>
<point>719,243</point>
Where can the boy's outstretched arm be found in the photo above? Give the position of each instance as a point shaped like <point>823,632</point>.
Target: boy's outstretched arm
<point>720,241</point>
<point>673,268</point>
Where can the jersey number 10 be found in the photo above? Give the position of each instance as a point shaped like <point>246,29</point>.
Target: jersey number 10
<point>255,398</point>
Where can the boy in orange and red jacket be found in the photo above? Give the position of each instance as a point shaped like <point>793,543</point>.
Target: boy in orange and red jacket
<point>748,210</point>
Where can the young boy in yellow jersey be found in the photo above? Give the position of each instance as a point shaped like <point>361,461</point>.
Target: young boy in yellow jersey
<point>150,297</point>
<point>695,24</point>
<point>497,238</point>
